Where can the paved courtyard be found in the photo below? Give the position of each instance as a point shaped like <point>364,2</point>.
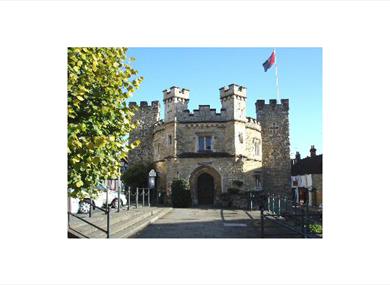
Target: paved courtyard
<point>204,223</point>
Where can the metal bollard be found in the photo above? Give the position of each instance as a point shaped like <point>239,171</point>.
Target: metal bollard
<point>303,222</point>
<point>128,198</point>
<point>286,201</point>
<point>136,198</point>
<point>148,197</point>
<point>262,221</point>
<point>108,222</point>
<point>90,208</point>
<point>119,198</point>
<point>143,197</point>
<point>108,215</point>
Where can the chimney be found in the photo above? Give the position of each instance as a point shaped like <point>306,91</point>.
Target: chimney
<point>313,151</point>
<point>297,156</point>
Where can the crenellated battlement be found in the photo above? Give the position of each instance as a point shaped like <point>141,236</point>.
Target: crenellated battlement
<point>203,113</point>
<point>181,94</point>
<point>232,89</point>
<point>252,123</point>
<point>252,120</point>
<point>145,104</point>
<point>272,106</point>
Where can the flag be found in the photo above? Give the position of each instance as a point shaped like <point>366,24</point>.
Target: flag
<point>269,62</point>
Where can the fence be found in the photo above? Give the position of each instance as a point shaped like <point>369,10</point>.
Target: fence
<point>297,217</point>
<point>138,195</point>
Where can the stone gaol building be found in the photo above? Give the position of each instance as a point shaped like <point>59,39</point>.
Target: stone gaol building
<point>213,150</point>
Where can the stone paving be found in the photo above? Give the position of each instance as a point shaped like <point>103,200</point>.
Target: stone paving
<point>210,223</point>
<point>202,223</point>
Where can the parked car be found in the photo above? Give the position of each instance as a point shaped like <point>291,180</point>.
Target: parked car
<point>73,203</point>
<point>101,200</point>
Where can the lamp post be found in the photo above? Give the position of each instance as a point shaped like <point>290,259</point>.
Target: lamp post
<point>152,181</point>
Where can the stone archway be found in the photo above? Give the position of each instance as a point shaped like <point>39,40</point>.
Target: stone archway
<point>205,189</point>
<point>205,184</point>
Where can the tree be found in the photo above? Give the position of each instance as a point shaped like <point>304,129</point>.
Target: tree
<point>99,122</point>
<point>136,175</point>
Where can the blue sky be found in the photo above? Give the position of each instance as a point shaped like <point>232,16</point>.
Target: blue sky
<point>204,70</point>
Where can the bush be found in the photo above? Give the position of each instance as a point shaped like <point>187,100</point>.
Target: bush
<point>238,183</point>
<point>315,228</point>
<point>181,194</point>
<point>233,190</point>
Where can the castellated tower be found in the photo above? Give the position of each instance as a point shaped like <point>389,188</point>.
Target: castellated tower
<point>175,101</point>
<point>274,123</point>
<point>146,116</point>
<point>233,100</point>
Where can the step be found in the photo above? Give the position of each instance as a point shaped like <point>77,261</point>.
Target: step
<point>89,230</point>
<point>121,225</point>
<point>135,228</point>
<point>124,228</point>
<point>101,219</point>
<point>97,217</point>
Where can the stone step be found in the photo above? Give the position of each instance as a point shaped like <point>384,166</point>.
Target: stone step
<point>122,221</point>
<point>101,219</point>
<point>89,230</point>
<point>124,224</point>
<point>135,228</point>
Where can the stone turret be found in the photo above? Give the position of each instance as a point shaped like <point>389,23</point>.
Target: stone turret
<point>274,121</point>
<point>175,101</point>
<point>233,100</point>
<point>147,116</point>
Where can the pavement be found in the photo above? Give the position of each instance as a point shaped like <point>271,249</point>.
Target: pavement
<point>210,223</point>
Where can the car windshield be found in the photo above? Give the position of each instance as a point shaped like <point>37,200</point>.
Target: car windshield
<point>101,187</point>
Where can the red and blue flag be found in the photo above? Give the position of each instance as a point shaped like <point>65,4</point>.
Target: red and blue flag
<point>269,62</point>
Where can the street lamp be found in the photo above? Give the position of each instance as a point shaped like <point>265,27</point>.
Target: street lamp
<point>152,181</point>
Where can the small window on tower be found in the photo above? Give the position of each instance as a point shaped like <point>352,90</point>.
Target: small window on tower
<point>204,143</point>
<point>241,137</point>
<point>170,139</point>
<point>256,144</point>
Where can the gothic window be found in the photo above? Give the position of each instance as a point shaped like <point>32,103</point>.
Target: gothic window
<point>256,143</point>
<point>204,143</point>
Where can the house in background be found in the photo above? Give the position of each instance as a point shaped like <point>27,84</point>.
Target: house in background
<point>311,165</point>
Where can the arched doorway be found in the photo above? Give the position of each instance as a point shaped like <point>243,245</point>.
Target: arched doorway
<point>205,189</point>
<point>205,184</point>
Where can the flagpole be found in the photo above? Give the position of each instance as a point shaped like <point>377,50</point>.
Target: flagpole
<point>276,76</point>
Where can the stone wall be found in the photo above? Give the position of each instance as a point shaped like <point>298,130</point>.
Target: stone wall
<point>146,116</point>
<point>274,123</point>
<point>251,169</point>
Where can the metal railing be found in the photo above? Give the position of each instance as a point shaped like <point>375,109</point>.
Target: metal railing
<point>139,194</point>
<point>296,217</point>
<point>91,205</point>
